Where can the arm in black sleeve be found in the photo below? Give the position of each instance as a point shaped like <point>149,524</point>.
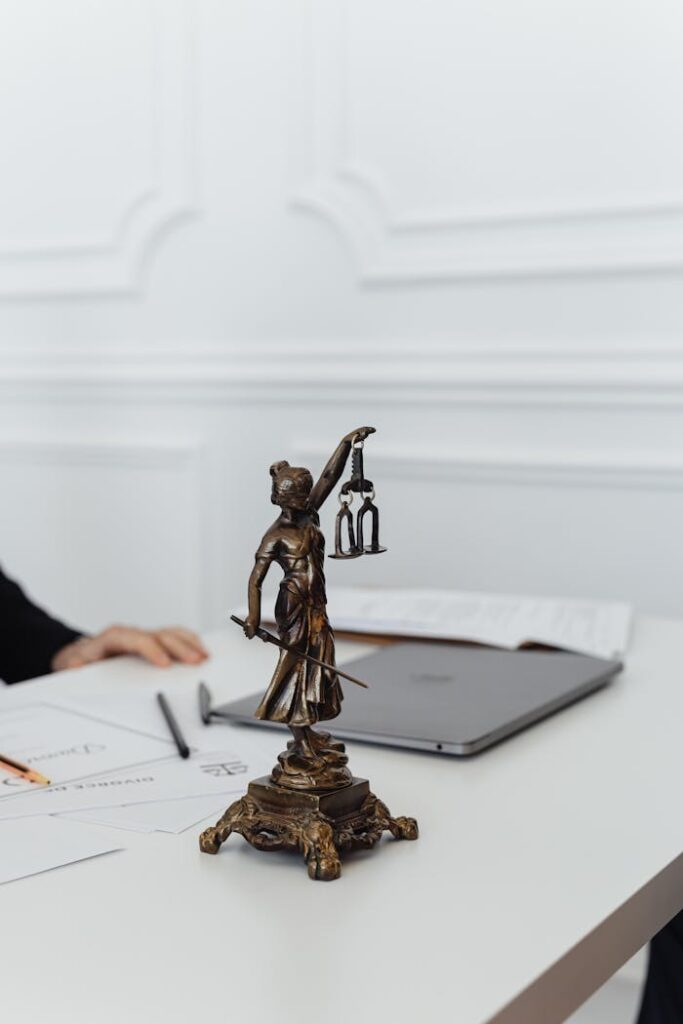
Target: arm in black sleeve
<point>29,637</point>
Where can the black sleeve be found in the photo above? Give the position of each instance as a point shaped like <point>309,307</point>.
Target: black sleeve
<point>662,999</point>
<point>29,637</point>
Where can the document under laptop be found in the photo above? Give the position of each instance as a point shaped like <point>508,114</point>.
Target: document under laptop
<point>597,628</point>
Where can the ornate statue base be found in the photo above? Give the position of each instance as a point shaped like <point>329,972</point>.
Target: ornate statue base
<point>318,823</point>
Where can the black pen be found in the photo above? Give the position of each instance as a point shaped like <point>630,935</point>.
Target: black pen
<point>204,703</point>
<point>180,743</point>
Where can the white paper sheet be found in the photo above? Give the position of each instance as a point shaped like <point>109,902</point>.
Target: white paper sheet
<point>139,709</point>
<point>34,845</point>
<point>501,620</point>
<point>174,816</point>
<point>219,772</point>
<point>65,745</point>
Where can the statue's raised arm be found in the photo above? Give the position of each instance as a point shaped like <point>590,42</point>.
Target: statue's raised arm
<point>335,466</point>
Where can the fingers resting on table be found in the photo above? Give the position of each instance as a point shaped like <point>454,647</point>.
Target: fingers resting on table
<point>160,647</point>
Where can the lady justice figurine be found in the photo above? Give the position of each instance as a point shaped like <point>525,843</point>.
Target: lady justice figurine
<point>310,801</point>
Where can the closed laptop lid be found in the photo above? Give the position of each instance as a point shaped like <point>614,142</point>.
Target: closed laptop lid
<point>453,699</point>
<point>464,696</point>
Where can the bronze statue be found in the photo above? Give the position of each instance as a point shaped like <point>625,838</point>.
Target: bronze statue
<point>311,801</point>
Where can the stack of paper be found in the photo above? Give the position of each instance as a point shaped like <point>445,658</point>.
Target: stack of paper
<point>208,777</point>
<point>110,764</point>
<point>173,816</point>
<point>599,628</point>
<point>66,744</point>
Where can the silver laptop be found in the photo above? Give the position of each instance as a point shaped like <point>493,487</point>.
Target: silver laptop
<point>455,700</point>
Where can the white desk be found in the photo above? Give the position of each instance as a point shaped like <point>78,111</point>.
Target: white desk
<point>541,867</point>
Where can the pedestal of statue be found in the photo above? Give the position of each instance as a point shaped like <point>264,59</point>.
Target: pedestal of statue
<point>318,824</point>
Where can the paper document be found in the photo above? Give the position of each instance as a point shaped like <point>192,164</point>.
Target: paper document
<point>138,709</point>
<point>501,620</point>
<point>205,774</point>
<point>35,845</point>
<point>64,745</point>
<point>174,816</point>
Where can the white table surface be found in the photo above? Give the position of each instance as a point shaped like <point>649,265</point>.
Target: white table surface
<point>541,867</point>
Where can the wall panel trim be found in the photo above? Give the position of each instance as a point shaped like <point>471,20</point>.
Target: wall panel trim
<point>393,247</point>
<point>605,469</point>
<point>57,267</point>
<point>602,376</point>
<point>186,457</point>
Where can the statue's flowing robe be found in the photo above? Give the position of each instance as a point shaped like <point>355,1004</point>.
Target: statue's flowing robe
<point>301,693</point>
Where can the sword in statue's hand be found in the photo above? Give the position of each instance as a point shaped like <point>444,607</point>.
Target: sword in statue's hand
<point>270,638</point>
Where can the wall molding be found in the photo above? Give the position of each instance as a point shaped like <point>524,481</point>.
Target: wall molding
<point>600,376</point>
<point>115,265</point>
<point>120,453</point>
<point>189,458</point>
<point>392,247</point>
<point>604,470</point>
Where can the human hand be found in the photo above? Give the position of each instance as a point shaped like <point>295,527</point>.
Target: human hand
<point>250,627</point>
<point>158,646</point>
<point>359,434</point>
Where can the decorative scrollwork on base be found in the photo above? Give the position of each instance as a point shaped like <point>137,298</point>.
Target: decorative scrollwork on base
<point>317,835</point>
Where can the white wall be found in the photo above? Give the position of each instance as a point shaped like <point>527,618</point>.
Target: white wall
<point>230,232</point>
